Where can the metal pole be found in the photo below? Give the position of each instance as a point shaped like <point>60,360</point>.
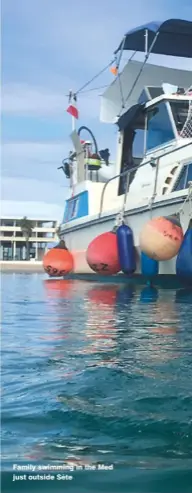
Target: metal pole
<point>126,192</point>
<point>141,69</point>
<point>36,244</point>
<point>145,135</point>
<point>73,123</point>
<point>72,184</point>
<point>146,41</point>
<point>155,184</point>
<point>86,162</point>
<point>72,99</point>
<point>118,75</point>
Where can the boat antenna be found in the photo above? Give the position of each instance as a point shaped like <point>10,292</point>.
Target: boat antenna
<point>72,108</point>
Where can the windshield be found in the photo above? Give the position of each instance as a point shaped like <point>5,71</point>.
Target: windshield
<point>159,127</point>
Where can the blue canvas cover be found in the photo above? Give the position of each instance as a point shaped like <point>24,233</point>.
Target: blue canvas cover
<point>174,38</point>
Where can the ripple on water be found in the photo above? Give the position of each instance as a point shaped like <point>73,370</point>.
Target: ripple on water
<point>98,373</point>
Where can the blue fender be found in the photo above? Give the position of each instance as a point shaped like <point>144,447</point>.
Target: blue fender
<point>184,257</point>
<point>126,249</point>
<point>149,266</point>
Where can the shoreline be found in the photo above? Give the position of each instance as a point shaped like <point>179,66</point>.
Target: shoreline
<point>166,281</point>
<point>21,266</point>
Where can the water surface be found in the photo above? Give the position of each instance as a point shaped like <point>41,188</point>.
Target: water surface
<point>96,374</point>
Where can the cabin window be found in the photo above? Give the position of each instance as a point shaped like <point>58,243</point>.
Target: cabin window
<point>72,209</point>
<point>184,178</point>
<point>182,117</point>
<point>159,128</point>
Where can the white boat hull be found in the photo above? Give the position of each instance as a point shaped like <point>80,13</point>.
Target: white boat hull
<point>79,236</point>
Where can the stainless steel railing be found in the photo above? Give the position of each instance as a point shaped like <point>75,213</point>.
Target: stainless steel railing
<point>127,172</point>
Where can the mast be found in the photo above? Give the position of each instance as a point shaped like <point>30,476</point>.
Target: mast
<point>73,111</point>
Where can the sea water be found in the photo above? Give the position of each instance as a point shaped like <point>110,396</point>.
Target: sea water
<point>96,387</point>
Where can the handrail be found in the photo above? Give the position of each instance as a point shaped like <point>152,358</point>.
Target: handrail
<point>136,168</point>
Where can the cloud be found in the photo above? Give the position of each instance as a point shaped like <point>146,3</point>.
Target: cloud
<point>47,41</point>
<point>71,32</point>
<point>23,190</point>
<point>29,172</point>
<point>40,160</point>
<point>50,47</point>
<point>24,99</point>
<point>37,160</point>
<point>31,209</point>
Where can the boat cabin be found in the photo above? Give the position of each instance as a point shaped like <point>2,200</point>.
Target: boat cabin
<point>158,120</point>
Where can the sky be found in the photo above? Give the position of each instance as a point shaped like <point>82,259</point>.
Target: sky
<point>48,48</point>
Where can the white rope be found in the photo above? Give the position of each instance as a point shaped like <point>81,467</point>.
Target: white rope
<point>119,219</point>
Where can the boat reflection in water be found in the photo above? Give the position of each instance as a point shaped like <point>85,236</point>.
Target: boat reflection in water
<point>58,288</point>
<point>100,329</point>
<point>149,295</point>
<point>103,329</point>
<point>106,321</point>
<point>58,292</point>
<point>109,353</point>
<point>161,325</point>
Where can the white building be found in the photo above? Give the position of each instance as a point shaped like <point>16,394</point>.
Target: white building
<point>13,243</point>
<point>45,219</point>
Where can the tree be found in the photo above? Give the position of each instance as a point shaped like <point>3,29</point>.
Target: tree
<point>58,231</point>
<point>26,227</point>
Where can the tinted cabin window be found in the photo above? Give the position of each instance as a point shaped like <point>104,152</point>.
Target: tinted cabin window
<point>160,130</point>
<point>184,178</point>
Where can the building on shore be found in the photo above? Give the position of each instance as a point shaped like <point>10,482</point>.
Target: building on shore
<point>13,242</point>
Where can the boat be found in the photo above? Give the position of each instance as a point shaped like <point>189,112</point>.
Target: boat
<point>151,106</point>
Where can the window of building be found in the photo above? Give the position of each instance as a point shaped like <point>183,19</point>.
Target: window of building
<point>45,235</point>
<point>49,224</point>
<point>7,222</point>
<point>159,129</point>
<point>20,253</point>
<point>8,233</point>
<point>184,178</point>
<point>32,252</point>
<point>7,252</point>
